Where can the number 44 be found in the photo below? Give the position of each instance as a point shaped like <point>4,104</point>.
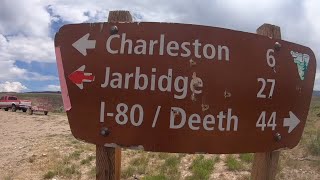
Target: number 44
<point>261,123</point>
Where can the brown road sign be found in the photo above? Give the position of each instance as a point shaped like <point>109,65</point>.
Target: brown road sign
<point>183,88</point>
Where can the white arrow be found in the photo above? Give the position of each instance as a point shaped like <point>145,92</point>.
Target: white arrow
<point>291,122</point>
<point>83,44</point>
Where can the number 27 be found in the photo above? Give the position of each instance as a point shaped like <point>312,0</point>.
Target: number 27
<point>264,82</point>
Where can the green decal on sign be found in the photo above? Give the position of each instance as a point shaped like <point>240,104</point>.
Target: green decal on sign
<point>302,61</point>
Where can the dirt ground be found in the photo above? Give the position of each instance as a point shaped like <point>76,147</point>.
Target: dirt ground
<point>42,147</point>
<point>22,136</point>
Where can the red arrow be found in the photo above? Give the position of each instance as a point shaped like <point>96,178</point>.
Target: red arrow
<point>78,77</point>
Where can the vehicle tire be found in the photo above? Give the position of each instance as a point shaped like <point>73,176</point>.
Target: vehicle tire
<point>46,113</point>
<point>6,109</point>
<point>29,111</point>
<point>13,108</point>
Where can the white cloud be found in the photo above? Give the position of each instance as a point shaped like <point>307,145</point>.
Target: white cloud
<point>71,13</point>
<point>243,15</point>
<point>52,87</point>
<point>297,19</point>
<point>34,76</point>
<point>27,17</point>
<point>12,87</point>
<point>27,48</point>
<point>317,82</point>
<point>10,72</point>
<point>24,36</point>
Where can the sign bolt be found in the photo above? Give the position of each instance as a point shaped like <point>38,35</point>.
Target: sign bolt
<point>113,30</point>
<point>277,136</point>
<point>105,132</point>
<point>277,46</point>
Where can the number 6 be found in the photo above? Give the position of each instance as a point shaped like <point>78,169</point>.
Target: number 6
<point>270,58</point>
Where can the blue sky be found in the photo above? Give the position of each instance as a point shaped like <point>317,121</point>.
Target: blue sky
<point>46,69</point>
<point>27,28</point>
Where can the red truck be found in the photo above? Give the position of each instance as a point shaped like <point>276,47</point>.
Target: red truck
<point>13,103</point>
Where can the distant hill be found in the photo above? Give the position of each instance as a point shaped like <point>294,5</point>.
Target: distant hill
<point>51,99</point>
<point>35,92</point>
<point>46,92</point>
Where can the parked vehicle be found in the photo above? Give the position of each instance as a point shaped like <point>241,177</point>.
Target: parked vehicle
<point>13,103</point>
<point>33,109</point>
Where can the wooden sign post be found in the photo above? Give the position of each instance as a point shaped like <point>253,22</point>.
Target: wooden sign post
<point>265,164</point>
<point>108,159</point>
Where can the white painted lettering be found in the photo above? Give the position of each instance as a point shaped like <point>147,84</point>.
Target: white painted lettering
<point>108,44</point>
<point>186,50</point>
<point>161,44</point>
<point>194,119</point>
<point>172,46</point>
<point>125,41</point>
<point>153,79</point>
<point>140,48</point>
<point>116,81</point>
<point>151,46</point>
<point>138,76</point>
<point>221,116</point>
<point>212,50</point>
<point>194,49</point>
<point>102,107</point>
<point>181,89</point>
<point>174,114</point>
<point>168,79</point>
<point>179,85</point>
<point>226,50</point>
<point>196,45</point>
<point>208,120</point>
<point>234,118</point>
<point>106,81</point>
<point>127,79</point>
<point>178,118</point>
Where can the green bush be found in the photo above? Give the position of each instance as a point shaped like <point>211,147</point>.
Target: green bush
<point>201,168</point>
<point>233,164</point>
<point>314,145</point>
<point>49,175</point>
<point>170,167</point>
<point>248,158</point>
